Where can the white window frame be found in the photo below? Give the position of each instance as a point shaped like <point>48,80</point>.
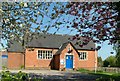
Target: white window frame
<point>83,53</point>
<point>44,54</point>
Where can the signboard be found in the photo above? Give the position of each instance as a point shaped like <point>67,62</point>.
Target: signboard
<point>62,62</point>
<point>4,56</point>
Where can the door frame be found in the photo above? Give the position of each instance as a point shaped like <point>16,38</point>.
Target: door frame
<point>72,60</point>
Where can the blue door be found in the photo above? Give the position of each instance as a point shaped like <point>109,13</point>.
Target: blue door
<point>69,61</point>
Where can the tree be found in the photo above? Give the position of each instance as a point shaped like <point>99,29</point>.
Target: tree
<point>117,45</point>
<point>118,59</point>
<point>22,21</point>
<point>117,48</point>
<point>110,61</point>
<point>95,21</point>
<point>100,62</point>
<point>105,63</point>
<point>104,24</point>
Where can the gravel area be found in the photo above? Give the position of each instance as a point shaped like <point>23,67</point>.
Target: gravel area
<point>54,75</point>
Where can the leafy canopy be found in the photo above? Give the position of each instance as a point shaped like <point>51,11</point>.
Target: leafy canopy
<point>95,21</point>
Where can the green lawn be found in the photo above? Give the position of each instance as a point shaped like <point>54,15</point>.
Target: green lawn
<point>104,76</point>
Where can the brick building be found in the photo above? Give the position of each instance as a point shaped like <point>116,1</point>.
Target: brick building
<point>52,52</point>
<point>3,58</point>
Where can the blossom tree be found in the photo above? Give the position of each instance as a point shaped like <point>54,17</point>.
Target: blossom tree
<point>97,21</point>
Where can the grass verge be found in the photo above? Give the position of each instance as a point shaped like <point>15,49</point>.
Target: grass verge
<point>103,76</point>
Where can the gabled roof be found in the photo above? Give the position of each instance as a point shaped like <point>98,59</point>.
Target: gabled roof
<point>62,48</point>
<point>50,41</point>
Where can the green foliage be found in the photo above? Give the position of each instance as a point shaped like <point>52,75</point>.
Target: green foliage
<point>117,49</point>
<point>118,58</point>
<point>117,45</point>
<point>106,63</point>
<point>100,62</point>
<point>4,67</point>
<point>20,76</point>
<point>103,76</point>
<point>110,61</point>
<point>23,20</point>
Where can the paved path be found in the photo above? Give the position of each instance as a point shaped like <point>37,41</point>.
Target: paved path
<point>54,75</point>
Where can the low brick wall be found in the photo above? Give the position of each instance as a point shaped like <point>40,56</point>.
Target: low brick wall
<point>109,69</point>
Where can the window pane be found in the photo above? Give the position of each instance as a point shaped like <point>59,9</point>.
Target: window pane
<point>39,56</point>
<point>43,54</point>
<point>51,52</point>
<point>46,55</point>
<point>82,55</point>
<point>85,55</point>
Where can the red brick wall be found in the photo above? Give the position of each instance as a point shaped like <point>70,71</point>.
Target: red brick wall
<point>15,60</point>
<point>31,60</point>
<point>88,64</point>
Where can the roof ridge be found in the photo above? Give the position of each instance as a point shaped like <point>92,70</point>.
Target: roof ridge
<point>54,34</point>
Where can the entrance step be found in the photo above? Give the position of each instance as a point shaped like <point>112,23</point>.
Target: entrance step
<point>69,69</point>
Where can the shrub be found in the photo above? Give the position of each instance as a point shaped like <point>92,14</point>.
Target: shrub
<point>22,67</point>
<point>20,76</point>
<point>4,67</point>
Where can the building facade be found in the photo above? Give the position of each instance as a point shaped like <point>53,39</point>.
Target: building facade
<point>3,59</point>
<point>52,52</point>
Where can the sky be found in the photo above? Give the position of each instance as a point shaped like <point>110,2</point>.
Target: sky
<point>104,52</point>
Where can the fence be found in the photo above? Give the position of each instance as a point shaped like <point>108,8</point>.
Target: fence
<point>109,69</point>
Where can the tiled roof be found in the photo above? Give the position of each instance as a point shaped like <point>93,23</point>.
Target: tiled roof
<point>50,41</point>
<point>15,47</point>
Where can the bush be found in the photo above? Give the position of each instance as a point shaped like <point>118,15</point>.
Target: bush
<point>4,67</point>
<point>20,76</point>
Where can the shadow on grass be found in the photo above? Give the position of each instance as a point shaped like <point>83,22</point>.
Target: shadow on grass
<point>102,76</point>
<point>107,76</point>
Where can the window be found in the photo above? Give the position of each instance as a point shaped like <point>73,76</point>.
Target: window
<point>43,54</point>
<point>83,55</point>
